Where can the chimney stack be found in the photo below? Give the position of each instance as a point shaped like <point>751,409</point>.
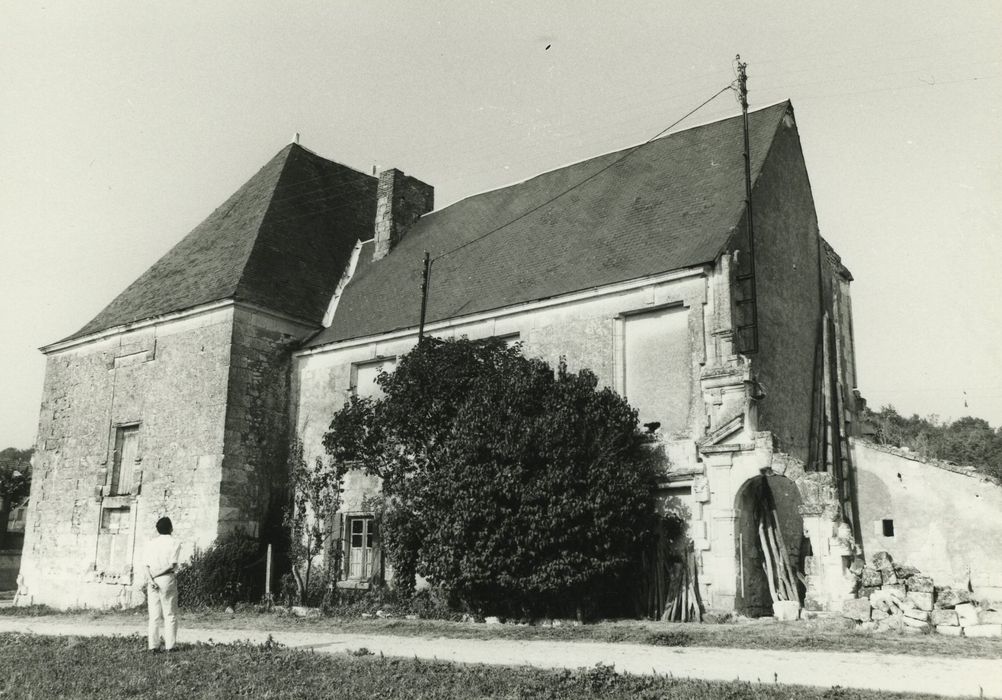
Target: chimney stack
<point>400,201</point>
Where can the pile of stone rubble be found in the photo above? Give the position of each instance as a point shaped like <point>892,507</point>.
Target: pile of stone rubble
<point>896,597</point>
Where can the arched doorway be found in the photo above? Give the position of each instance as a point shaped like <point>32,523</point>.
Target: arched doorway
<point>754,499</point>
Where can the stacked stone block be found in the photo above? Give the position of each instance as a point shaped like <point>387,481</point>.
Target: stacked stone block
<point>896,597</point>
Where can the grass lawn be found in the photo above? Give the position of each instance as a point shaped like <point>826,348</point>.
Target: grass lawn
<point>820,634</point>
<point>112,667</point>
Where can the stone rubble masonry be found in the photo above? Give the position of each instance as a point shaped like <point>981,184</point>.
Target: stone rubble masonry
<point>924,608</point>
<point>945,617</point>
<point>871,577</point>
<point>257,421</point>
<point>897,590</point>
<point>967,613</point>
<point>856,609</point>
<point>989,617</point>
<point>923,601</point>
<point>922,584</point>
<point>173,380</point>
<point>951,597</point>
<point>915,623</point>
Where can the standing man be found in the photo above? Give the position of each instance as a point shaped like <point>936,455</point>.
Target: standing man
<point>161,565</point>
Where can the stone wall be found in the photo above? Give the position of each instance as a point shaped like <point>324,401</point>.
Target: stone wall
<point>787,293</point>
<point>256,446</point>
<point>171,380</point>
<point>944,520</point>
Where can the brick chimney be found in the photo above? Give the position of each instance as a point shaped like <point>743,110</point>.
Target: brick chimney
<point>400,201</point>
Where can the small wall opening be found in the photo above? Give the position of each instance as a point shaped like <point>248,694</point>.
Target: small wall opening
<point>888,527</point>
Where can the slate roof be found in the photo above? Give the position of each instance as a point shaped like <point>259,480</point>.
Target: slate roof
<point>280,242</point>
<point>670,204</point>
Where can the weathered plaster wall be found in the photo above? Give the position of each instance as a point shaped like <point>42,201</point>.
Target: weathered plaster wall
<point>786,270</point>
<point>172,380</point>
<point>587,332</point>
<point>945,523</point>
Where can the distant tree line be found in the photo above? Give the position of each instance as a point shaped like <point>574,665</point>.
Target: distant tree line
<point>967,441</point>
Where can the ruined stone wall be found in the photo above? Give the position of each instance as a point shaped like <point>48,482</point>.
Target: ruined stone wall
<point>257,422</point>
<point>170,380</point>
<point>943,520</point>
<point>787,282</point>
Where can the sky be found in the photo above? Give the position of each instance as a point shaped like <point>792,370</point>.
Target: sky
<point>124,124</point>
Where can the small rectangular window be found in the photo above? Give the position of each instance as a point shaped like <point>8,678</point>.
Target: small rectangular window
<point>124,460</point>
<point>888,527</point>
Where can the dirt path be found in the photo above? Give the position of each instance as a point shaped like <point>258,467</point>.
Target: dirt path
<point>910,674</point>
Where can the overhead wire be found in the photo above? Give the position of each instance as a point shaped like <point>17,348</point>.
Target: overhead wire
<point>581,182</point>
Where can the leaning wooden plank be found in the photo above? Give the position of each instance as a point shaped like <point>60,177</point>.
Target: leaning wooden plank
<point>791,573</point>
<point>767,563</point>
<point>783,583</point>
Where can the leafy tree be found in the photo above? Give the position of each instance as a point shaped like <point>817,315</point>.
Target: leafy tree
<point>15,483</point>
<point>316,499</point>
<point>518,489</point>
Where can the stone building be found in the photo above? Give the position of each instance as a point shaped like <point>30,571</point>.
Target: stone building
<point>182,397</point>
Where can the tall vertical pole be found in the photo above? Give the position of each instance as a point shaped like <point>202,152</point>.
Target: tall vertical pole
<point>750,276</point>
<point>267,578</point>
<point>424,294</point>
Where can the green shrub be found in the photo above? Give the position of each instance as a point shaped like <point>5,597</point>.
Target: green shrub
<point>522,490</point>
<point>231,570</point>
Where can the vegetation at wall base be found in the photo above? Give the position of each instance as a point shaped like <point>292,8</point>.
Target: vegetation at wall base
<point>229,571</point>
<point>102,667</point>
<point>519,489</point>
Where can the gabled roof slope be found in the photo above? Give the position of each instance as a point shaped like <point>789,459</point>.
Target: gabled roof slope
<point>671,204</point>
<point>280,242</point>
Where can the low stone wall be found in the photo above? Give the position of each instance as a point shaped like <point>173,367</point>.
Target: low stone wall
<point>893,597</point>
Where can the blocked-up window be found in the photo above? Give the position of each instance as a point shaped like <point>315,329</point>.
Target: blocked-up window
<point>363,377</point>
<point>124,460</point>
<point>360,547</point>
<point>657,366</point>
<point>114,541</point>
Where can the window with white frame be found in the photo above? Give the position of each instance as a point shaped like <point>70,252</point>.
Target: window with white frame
<point>359,555</point>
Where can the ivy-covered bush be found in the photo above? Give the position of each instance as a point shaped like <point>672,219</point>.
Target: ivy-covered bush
<point>520,490</point>
<point>229,571</point>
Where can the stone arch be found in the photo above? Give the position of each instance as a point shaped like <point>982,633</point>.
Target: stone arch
<point>752,597</point>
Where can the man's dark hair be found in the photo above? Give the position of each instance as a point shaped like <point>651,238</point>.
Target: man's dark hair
<point>165,526</point>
